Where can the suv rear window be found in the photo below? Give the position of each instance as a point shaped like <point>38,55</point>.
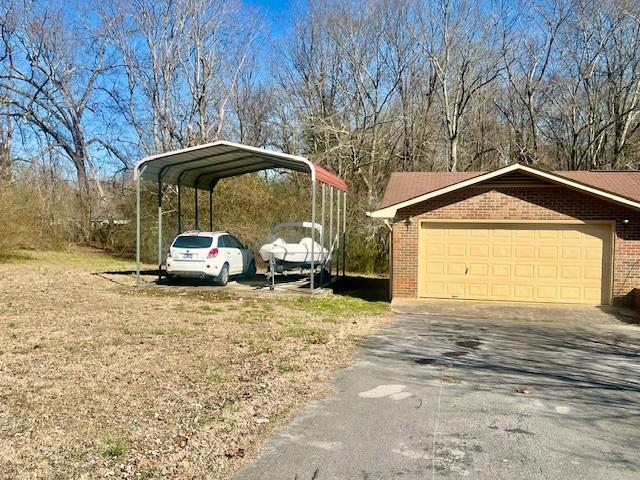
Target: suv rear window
<point>192,241</point>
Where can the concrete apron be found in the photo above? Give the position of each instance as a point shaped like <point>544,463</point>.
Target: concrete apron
<point>585,315</point>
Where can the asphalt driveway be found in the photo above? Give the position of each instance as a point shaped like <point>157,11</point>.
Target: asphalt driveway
<point>435,398</point>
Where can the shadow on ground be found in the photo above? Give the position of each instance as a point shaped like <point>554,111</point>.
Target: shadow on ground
<point>621,314</point>
<point>366,288</point>
<point>587,365</point>
<point>373,289</point>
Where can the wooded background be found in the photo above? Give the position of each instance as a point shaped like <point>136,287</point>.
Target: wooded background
<point>363,88</point>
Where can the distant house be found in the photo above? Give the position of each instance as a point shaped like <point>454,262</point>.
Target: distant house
<point>515,234</point>
<point>106,221</point>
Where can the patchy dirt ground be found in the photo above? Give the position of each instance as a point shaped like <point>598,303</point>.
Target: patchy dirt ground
<point>99,379</point>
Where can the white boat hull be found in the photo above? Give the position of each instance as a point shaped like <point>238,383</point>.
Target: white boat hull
<point>294,254</point>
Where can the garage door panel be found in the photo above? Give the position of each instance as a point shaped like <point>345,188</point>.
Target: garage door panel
<point>571,234</point>
<point>547,252</point>
<point>592,294</point>
<point>524,251</point>
<point>479,233</point>
<point>524,233</point>
<point>548,235</point>
<point>570,272</point>
<point>570,294</point>
<point>570,253</point>
<point>501,251</point>
<point>501,233</point>
<point>523,271</point>
<point>520,262</point>
<point>478,270</point>
<point>434,288</point>
<point>476,250</point>
<point>454,269</point>
<point>456,289</point>
<point>478,290</point>
<point>523,292</point>
<point>501,291</point>
<point>546,292</point>
<point>593,253</point>
<point>500,270</point>
<point>547,272</point>
<point>592,273</point>
<point>456,250</point>
<point>435,268</point>
<point>435,250</point>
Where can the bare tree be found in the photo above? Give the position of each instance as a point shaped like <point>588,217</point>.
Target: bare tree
<point>6,134</point>
<point>458,38</point>
<point>621,62</point>
<point>49,71</point>
<point>343,73</point>
<point>181,61</point>
<point>253,107</point>
<point>594,96</point>
<point>529,47</point>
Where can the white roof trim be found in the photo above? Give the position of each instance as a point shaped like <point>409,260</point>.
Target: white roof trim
<point>246,148</point>
<point>391,210</point>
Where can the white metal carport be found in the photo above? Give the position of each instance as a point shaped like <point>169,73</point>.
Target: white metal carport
<point>203,166</point>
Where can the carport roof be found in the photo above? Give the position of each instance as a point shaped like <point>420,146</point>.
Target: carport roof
<point>203,165</point>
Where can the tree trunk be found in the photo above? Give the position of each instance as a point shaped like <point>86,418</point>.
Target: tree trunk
<point>5,161</point>
<point>453,154</point>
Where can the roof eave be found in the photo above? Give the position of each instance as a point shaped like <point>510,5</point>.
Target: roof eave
<point>390,211</point>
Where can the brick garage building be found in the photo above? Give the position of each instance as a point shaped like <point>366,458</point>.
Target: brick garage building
<point>515,234</point>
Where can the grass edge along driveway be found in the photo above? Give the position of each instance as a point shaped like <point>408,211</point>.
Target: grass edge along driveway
<point>100,379</point>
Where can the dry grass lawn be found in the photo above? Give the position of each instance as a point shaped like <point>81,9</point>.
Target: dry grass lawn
<point>99,379</point>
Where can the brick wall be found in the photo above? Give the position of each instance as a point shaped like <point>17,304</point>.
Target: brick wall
<point>518,203</point>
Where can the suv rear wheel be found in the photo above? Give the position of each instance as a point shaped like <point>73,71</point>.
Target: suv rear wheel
<point>223,276</point>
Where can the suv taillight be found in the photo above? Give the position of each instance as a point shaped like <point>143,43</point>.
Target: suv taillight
<point>212,253</point>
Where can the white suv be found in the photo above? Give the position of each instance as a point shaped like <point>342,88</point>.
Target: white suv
<point>213,255</point>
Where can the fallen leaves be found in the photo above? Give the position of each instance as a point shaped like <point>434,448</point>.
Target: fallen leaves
<point>524,390</point>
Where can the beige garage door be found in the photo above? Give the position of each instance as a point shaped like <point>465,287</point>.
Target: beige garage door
<point>516,262</point>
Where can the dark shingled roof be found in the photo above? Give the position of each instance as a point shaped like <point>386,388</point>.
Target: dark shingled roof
<point>404,186</point>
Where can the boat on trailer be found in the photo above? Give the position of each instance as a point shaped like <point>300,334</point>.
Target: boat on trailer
<point>286,254</point>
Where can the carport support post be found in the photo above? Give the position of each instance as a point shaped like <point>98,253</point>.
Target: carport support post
<point>344,235</point>
<point>313,232</point>
<point>211,210</point>
<point>331,231</point>
<point>212,186</point>
<point>322,236</point>
<point>196,206</point>
<point>159,227</point>
<point>338,233</point>
<point>138,226</point>
<point>179,209</point>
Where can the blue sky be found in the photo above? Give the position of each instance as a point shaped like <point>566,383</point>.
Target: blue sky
<point>274,12</point>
